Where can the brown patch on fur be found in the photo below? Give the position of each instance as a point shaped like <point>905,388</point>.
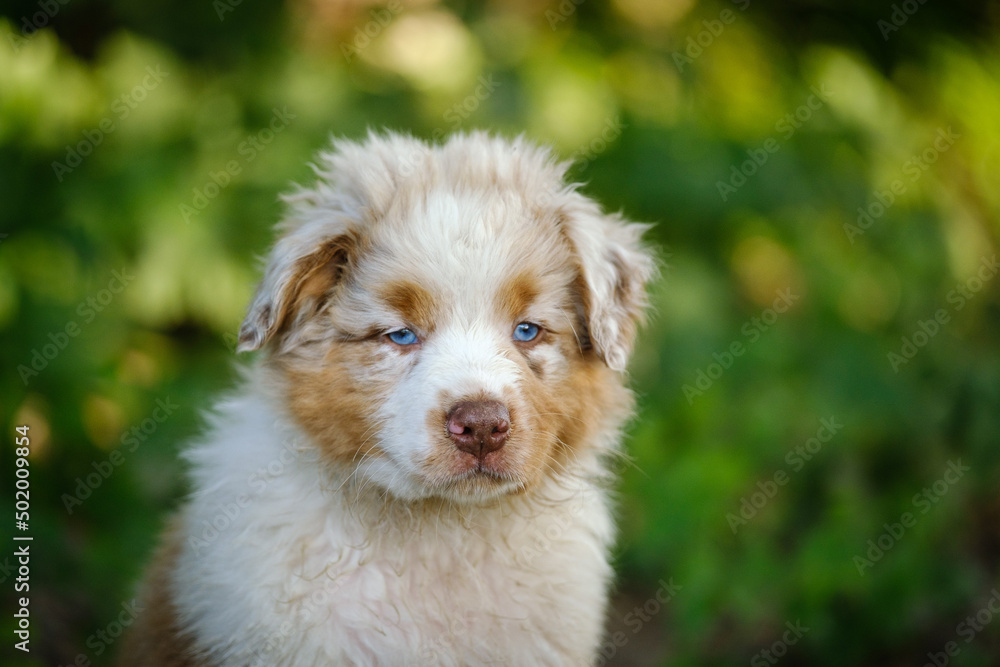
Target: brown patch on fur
<point>630,274</point>
<point>318,282</point>
<point>332,400</point>
<point>316,275</point>
<point>568,415</point>
<point>444,458</point>
<point>579,287</point>
<point>581,292</point>
<point>592,397</point>
<point>156,638</point>
<point>516,295</point>
<point>537,436</point>
<point>415,304</point>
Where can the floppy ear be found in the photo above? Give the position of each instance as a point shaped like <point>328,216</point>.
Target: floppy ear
<point>615,268</point>
<point>321,233</point>
<point>301,271</point>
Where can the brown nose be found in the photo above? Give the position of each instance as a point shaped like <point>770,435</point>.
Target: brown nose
<point>479,427</point>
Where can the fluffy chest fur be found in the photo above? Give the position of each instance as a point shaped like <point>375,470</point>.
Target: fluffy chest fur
<point>286,565</point>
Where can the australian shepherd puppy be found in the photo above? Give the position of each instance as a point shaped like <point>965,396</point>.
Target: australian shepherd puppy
<point>414,471</point>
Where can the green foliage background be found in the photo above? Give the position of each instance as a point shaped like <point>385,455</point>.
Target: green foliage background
<point>661,102</point>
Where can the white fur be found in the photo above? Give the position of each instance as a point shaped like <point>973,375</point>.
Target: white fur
<point>310,571</point>
<point>288,560</point>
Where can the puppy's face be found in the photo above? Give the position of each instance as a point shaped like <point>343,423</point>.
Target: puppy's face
<point>440,340</point>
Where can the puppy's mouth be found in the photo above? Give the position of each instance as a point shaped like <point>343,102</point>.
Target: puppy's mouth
<point>472,479</point>
<point>478,482</point>
<point>487,473</point>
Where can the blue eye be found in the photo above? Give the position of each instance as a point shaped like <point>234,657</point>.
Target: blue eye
<point>526,332</point>
<point>403,337</point>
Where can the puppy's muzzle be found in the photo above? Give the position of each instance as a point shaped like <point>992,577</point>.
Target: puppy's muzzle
<point>479,427</point>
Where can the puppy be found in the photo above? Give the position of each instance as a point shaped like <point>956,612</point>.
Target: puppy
<point>414,472</point>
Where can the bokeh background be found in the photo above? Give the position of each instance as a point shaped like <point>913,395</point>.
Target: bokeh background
<point>823,362</point>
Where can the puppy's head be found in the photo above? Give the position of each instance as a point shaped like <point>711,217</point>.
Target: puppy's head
<point>450,320</point>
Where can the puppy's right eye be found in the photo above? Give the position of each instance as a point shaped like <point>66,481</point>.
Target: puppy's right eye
<point>403,337</point>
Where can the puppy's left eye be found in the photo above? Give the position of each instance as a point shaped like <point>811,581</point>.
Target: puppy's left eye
<point>402,337</point>
<point>525,332</point>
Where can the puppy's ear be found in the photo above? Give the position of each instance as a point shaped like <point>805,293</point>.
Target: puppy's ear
<point>302,270</point>
<point>615,268</point>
